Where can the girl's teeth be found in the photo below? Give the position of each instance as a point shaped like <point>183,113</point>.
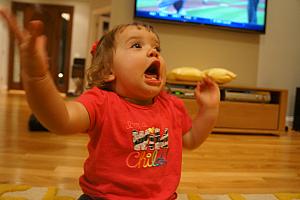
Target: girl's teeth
<point>153,77</point>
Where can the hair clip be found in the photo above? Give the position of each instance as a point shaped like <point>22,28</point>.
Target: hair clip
<point>94,47</point>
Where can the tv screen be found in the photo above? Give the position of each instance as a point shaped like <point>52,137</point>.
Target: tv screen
<point>247,15</point>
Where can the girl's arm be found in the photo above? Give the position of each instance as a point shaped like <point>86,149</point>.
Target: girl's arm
<point>207,95</point>
<point>42,95</point>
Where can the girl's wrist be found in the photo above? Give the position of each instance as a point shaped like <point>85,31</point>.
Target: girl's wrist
<point>34,78</point>
<point>209,111</point>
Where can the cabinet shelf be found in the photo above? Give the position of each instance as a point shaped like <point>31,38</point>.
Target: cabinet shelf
<point>241,116</point>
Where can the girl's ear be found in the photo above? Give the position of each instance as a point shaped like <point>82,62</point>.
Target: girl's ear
<point>111,77</point>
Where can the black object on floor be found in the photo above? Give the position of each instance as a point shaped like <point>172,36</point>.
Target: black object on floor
<point>35,125</point>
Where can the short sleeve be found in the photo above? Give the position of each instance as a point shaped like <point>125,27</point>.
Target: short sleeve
<point>181,113</point>
<point>94,101</point>
<point>186,121</point>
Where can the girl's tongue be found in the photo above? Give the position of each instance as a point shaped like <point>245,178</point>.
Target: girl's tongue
<point>151,76</point>
<point>152,72</point>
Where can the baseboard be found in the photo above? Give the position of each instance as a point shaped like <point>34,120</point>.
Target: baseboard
<point>3,88</point>
<point>289,122</point>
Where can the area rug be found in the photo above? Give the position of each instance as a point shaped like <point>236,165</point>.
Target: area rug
<point>25,192</point>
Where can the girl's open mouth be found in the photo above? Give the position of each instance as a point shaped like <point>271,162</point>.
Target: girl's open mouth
<point>153,71</point>
<point>152,74</point>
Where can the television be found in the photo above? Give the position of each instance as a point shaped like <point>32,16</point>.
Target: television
<point>243,15</point>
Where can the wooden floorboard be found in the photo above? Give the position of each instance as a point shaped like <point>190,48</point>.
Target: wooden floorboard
<point>224,163</point>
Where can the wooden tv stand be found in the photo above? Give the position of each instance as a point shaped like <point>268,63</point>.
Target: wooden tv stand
<point>243,116</point>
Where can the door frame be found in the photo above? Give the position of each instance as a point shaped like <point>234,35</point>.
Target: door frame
<point>93,28</point>
<point>22,6</point>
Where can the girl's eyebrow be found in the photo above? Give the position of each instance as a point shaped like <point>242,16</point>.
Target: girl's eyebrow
<point>138,37</point>
<point>133,38</point>
<point>155,40</point>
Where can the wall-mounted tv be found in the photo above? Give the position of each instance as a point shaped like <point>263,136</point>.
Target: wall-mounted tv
<point>245,15</point>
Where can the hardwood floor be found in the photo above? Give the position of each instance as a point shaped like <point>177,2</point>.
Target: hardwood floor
<point>224,163</point>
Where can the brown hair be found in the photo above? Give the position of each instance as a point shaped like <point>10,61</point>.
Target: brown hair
<point>103,56</point>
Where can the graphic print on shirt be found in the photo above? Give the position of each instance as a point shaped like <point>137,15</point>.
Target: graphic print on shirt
<point>150,148</point>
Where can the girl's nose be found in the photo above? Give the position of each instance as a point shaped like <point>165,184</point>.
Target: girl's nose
<point>153,53</point>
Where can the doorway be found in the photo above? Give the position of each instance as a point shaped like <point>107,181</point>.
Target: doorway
<point>58,22</point>
<point>102,25</point>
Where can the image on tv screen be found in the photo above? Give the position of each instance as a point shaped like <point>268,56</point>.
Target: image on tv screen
<point>236,14</point>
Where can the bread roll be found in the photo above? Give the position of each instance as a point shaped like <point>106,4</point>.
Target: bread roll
<point>220,75</point>
<point>186,74</point>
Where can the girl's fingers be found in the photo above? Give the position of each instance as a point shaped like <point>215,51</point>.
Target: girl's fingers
<point>206,82</point>
<point>197,89</point>
<point>12,23</point>
<point>35,30</point>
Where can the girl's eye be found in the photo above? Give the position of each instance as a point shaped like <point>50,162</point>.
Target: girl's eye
<point>136,45</point>
<point>158,49</point>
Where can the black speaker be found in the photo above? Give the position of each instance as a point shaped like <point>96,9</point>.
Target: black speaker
<point>296,123</point>
<point>78,68</point>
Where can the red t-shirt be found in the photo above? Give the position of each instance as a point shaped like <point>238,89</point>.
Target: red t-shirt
<point>135,151</point>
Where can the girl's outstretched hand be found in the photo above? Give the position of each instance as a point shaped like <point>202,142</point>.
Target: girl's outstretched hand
<point>32,46</point>
<point>207,94</point>
<point>42,96</point>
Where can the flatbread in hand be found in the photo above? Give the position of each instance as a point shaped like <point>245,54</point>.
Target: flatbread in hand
<point>220,75</point>
<point>186,74</point>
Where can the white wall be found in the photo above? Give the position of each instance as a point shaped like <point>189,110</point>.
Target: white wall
<point>79,44</point>
<point>279,54</point>
<point>4,40</point>
<point>97,8</point>
<point>96,4</point>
